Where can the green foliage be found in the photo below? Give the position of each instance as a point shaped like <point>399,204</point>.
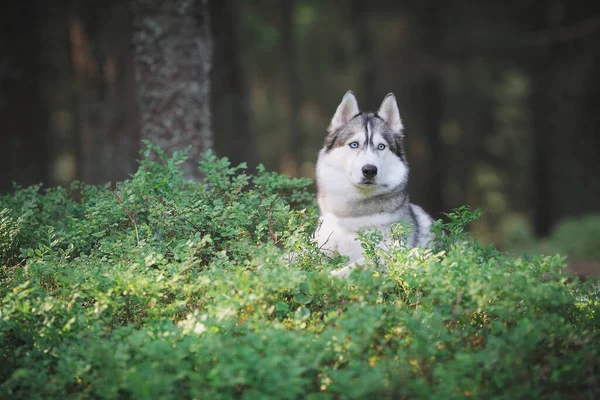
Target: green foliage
<point>9,229</point>
<point>169,288</point>
<point>578,237</point>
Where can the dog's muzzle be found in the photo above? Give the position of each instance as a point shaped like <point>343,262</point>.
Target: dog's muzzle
<point>369,171</point>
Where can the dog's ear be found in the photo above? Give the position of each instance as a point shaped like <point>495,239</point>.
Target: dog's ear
<point>347,109</point>
<point>388,111</point>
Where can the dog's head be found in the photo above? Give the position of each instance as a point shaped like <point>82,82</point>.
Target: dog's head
<point>364,149</point>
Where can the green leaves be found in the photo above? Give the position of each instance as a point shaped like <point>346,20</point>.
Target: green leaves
<point>169,288</point>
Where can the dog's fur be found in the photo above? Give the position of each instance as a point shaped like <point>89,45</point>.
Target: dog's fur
<point>362,174</point>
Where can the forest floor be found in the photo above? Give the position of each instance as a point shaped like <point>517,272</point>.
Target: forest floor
<point>584,269</point>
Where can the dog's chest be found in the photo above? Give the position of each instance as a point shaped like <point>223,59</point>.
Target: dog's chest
<point>340,234</point>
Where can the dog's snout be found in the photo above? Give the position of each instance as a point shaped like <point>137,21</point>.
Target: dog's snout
<point>369,171</point>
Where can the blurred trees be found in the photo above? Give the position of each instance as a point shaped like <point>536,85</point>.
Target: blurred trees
<point>229,95</point>
<point>58,86</point>
<point>71,106</point>
<point>99,64</point>
<point>22,146</point>
<point>565,70</point>
<point>499,100</point>
<point>292,153</point>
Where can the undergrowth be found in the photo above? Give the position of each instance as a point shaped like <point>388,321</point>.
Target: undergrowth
<point>170,288</point>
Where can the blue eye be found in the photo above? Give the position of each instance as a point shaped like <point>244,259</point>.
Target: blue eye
<point>381,147</point>
<point>353,145</point>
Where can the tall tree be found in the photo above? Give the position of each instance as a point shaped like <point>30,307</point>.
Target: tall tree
<point>22,146</point>
<point>426,97</point>
<point>100,35</point>
<point>370,97</point>
<point>293,153</point>
<point>565,67</point>
<point>172,53</point>
<point>58,93</point>
<point>229,94</point>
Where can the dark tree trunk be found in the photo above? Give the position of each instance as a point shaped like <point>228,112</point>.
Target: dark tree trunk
<point>229,95</point>
<point>368,84</point>
<point>542,137</point>
<point>566,65</point>
<point>428,99</point>
<point>172,53</point>
<point>100,33</point>
<point>58,93</point>
<point>293,153</point>
<point>23,157</point>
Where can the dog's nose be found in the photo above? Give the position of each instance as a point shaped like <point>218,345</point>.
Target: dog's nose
<point>369,171</point>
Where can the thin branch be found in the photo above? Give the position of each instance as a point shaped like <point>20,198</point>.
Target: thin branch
<point>455,308</point>
<point>137,237</point>
<point>176,212</point>
<point>272,232</point>
<point>326,241</point>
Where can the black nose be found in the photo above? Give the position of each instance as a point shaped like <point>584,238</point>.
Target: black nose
<point>369,171</point>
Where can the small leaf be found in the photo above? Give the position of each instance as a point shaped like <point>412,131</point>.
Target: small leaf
<point>302,298</point>
<point>283,307</point>
<point>302,314</point>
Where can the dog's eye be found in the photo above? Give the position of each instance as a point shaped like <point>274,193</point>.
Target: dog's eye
<point>353,145</point>
<point>381,146</point>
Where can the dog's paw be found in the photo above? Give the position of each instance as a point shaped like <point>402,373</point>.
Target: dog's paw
<point>341,272</point>
<point>345,271</point>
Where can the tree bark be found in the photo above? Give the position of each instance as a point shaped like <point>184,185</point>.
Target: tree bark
<point>172,53</point>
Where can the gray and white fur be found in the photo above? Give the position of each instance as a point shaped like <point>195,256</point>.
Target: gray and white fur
<point>362,177</point>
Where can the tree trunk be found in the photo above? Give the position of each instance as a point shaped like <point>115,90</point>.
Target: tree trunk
<point>566,65</point>
<point>542,136</point>
<point>100,32</point>
<point>428,99</point>
<point>172,53</point>
<point>57,89</point>
<point>367,81</point>
<point>23,157</point>
<point>293,154</point>
<point>229,94</point>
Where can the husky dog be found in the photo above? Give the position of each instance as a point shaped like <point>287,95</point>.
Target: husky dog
<point>362,175</point>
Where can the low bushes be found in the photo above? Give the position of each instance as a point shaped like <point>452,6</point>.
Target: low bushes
<point>168,288</point>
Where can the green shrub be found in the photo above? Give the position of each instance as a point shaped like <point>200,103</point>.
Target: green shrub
<point>169,288</point>
<point>579,237</point>
<point>9,230</point>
